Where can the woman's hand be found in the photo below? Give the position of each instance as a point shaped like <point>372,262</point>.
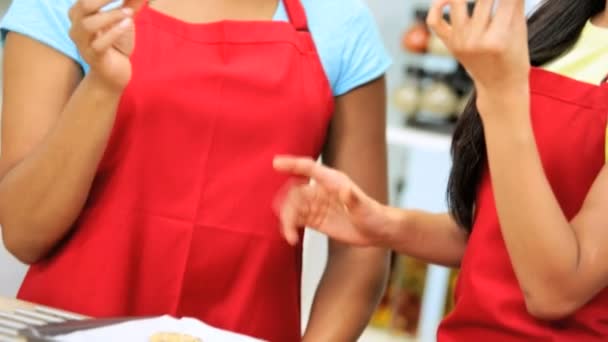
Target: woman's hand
<point>494,50</point>
<point>333,205</point>
<point>105,39</point>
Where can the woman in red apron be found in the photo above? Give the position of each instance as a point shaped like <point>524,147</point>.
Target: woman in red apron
<point>175,215</point>
<point>529,186</point>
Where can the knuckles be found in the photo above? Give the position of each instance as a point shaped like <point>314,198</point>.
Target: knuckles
<point>489,47</point>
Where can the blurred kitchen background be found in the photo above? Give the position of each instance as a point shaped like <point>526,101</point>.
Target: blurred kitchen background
<point>427,90</point>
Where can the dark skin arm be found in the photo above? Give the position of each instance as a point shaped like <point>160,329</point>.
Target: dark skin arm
<point>55,125</point>
<point>36,138</point>
<point>355,277</point>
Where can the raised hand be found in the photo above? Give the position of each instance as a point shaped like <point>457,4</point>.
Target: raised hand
<point>493,49</point>
<point>332,204</point>
<point>105,39</point>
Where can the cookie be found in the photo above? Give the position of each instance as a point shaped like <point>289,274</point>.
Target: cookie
<point>173,337</point>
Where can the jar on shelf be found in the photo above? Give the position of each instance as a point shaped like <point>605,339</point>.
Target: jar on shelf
<point>407,295</point>
<point>406,97</point>
<point>439,100</point>
<point>437,47</point>
<point>416,38</point>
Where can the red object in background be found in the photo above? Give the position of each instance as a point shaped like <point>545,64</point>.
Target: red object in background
<point>569,120</point>
<point>179,220</point>
<point>416,39</point>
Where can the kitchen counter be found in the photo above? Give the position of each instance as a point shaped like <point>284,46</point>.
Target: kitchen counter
<point>30,311</point>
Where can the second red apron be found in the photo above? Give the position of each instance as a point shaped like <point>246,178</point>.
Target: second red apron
<point>569,121</point>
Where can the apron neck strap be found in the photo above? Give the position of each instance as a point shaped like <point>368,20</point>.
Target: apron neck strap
<point>296,13</point>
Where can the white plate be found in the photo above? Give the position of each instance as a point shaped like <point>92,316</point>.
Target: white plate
<point>142,330</point>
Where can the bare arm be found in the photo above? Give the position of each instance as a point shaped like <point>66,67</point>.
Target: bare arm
<point>568,266</point>
<point>433,238</point>
<point>355,277</point>
<point>55,128</point>
<point>336,206</point>
<point>560,264</point>
<point>50,146</point>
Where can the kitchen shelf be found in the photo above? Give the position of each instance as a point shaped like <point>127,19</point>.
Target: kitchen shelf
<point>432,63</point>
<point>418,138</point>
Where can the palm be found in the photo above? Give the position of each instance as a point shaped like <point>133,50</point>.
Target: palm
<point>333,205</point>
<point>356,226</point>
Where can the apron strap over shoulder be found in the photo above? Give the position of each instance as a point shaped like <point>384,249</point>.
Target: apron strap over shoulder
<point>297,15</point>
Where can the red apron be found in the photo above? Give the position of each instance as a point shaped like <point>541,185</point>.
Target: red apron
<point>179,220</point>
<point>569,120</point>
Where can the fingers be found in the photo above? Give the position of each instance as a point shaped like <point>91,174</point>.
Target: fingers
<point>304,206</point>
<point>510,6</point>
<point>482,15</point>
<point>289,227</point>
<point>107,39</point>
<point>351,197</point>
<point>335,183</point>
<point>83,8</point>
<point>303,167</point>
<point>507,11</point>
<point>459,14</point>
<point>85,30</point>
<point>436,21</point>
<point>319,202</point>
<point>308,168</point>
<point>294,212</point>
<point>98,22</point>
<point>95,31</point>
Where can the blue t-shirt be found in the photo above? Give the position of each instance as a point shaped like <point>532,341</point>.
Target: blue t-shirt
<point>347,39</point>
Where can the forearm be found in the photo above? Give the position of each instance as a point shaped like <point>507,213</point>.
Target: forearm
<point>543,247</point>
<point>42,195</point>
<point>355,278</point>
<point>434,238</point>
<point>348,294</point>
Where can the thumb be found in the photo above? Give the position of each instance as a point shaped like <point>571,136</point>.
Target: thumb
<point>351,197</point>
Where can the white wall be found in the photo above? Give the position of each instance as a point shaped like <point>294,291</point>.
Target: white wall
<point>11,273</point>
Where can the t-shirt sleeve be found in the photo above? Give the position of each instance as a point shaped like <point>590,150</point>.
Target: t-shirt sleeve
<point>46,21</point>
<point>364,56</point>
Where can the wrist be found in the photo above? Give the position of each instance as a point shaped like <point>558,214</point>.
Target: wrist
<point>511,84</point>
<point>507,107</point>
<point>502,96</point>
<point>396,219</point>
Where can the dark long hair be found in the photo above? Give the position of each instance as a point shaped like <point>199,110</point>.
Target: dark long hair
<point>552,30</point>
